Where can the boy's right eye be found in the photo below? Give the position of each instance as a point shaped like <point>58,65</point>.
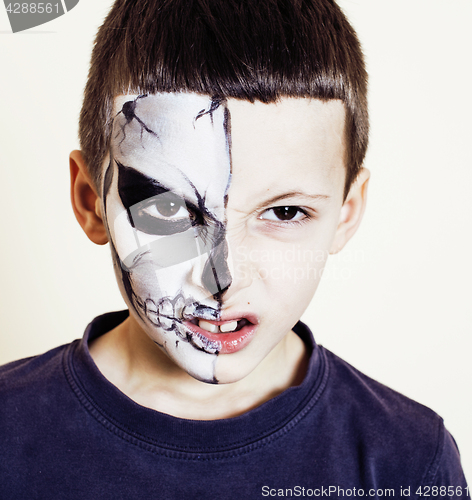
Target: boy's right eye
<point>162,214</point>
<point>152,208</point>
<point>166,206</point>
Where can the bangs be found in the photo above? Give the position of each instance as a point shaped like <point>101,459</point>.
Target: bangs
<point>249,50</point>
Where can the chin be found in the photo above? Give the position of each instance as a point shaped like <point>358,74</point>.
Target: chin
<point>231,368</point>
<point>212,369</point>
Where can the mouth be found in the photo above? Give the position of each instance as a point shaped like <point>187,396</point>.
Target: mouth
<point>198,325</point>
<point>226,336</point>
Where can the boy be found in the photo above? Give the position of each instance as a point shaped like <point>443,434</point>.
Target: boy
<point>217,138</point>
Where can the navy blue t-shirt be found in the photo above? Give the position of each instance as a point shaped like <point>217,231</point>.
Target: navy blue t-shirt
<point>68,433</point>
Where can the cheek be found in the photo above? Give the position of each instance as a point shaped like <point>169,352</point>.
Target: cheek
<point>150,281</point>
<point>292,283</point>
<point>296,267</point>
<point>145,282</point>
<point>283,265</point>
<point>155,264</point>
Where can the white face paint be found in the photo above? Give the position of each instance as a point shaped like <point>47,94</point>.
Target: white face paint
<point>164,194</point>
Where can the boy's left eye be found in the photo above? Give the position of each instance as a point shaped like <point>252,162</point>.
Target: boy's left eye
<point>284,214</point>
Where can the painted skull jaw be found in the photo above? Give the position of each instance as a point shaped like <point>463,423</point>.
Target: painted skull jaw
<point>164,198</point>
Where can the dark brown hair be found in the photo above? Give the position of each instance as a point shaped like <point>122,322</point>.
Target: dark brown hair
<point>248,49</point>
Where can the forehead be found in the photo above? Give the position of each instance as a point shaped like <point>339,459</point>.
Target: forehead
<point>295,144</point>
<point>173,136</point>
<point>288,126</point>
<point>187,136</point>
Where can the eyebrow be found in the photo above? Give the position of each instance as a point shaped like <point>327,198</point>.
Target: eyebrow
<point>293,194</point>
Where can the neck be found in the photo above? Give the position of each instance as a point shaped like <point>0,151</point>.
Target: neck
<point>131,361</point>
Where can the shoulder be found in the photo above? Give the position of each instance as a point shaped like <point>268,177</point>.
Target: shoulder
<point>38,371</point>
<point>26,367</point>
<point>393,433</point>
<point>373,399</point>
<point>37,383</point>
<point>31,379</point>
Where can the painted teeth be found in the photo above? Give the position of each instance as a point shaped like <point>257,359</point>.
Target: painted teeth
<point>205,344</point>
<point>165,311</point>
<point>212,328</point>
<point>151,312</point>
<point>179,307</point>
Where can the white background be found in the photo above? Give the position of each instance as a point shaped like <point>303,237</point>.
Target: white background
<point>396,303</point>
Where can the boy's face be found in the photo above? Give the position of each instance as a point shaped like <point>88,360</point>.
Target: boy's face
<point>221,215</point>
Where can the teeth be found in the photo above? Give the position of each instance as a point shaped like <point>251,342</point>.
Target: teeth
<point>229,327</point>
<point>165,309</point>
<point>212,328</point>
<point>153,317</point>
<point>209,327</point>
<point>166,323</point>
<point>151,312</point>
<point>179,307</point>
<point>151,306</point>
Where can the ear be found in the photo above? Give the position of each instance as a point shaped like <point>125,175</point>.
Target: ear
<point>351,212</point>
<point>85,200</point>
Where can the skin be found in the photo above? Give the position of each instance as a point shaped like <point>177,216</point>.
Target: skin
<point>286,154</point>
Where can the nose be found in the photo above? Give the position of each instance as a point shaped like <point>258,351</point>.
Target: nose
<point>216,276</point>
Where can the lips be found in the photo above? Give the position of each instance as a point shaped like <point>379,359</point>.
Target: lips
<point>229,334</point>
<point>224,342</point>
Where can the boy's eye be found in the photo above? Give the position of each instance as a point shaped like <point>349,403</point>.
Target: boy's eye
<point>167,207</point>
<point>162,214</point>
<point>152,207</point>
<point>284,214</point>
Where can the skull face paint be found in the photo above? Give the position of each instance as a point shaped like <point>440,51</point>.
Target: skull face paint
<point>164,196</point>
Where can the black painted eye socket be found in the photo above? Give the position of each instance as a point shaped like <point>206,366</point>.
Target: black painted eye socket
<point>153,208</point>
